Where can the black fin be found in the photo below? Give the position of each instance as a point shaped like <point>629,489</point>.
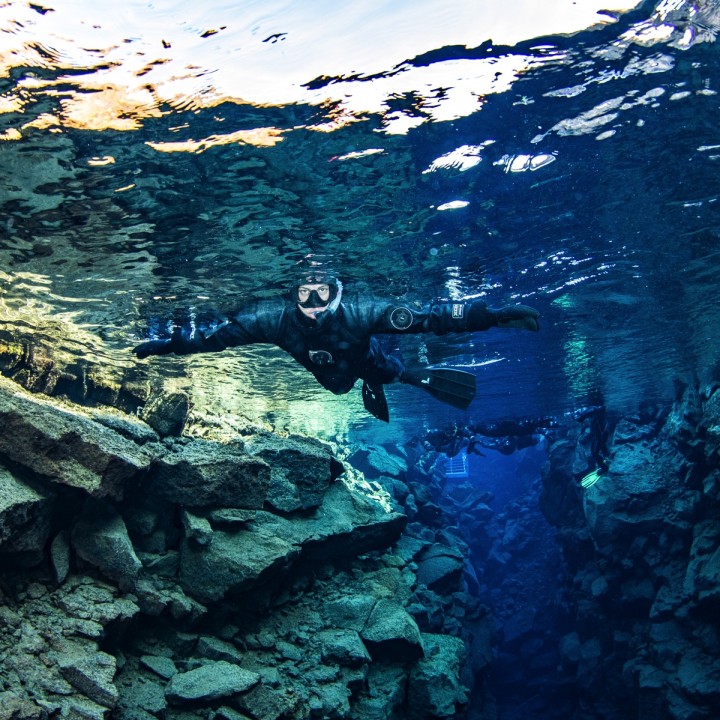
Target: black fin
<point>375,402</point>
<point>453,387</point>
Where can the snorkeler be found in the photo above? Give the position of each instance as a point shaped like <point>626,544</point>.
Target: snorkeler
<point>333,337</point>
<point>505,436</point>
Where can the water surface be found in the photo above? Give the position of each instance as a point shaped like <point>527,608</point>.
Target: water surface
<point>173,160</point>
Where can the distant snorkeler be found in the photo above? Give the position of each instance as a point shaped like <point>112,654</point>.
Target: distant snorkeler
<point>505,436</point>
<point>332,336</point>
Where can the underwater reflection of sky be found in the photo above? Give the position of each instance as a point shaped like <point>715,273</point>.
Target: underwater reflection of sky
<point>144,57</point>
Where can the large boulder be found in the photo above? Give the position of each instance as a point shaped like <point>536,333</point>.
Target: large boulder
<point>301,470</point>
<point>703,578</point>
<point>92,674</point>
<point>100,537</point>
<point>435,688</point>
<point>698,676</point>
<point>633,499</point>
<point>237,560</point>
<point>343,647</point>
<point>385,692</point>
<point>441,568</point>
<point>391,634</point>
<point>240,558</point>
<point>210,682</point>
<point>350,612</point>
<point>351,521</point>
<point>376,461</point>
<point>25,518</point>
<point>66,446</point>
<point>167,413</point>
<point>264,702</point>
<point>205,473</point>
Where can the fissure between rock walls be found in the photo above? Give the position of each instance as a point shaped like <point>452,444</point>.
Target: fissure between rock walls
<point>268,577</point>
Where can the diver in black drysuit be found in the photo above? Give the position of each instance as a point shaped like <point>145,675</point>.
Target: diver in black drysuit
<point>331,335</point>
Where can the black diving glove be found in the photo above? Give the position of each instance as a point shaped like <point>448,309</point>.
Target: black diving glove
<point>154,347</point>
<point>521,317</point>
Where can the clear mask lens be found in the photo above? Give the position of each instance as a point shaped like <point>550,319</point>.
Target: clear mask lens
<point>313,295</point>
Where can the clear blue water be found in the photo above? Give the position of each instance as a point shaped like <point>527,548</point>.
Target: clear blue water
<point>176,158</point>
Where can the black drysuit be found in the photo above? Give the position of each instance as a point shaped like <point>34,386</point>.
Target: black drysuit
<point>338,348</point>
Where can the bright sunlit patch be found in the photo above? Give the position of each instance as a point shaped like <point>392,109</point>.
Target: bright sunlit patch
<point>453,205</point>
<point>462,158</point>
<point>649,34</point>
<point>523,163</point>
<point>99,161</point>
<point>260,137</point>
<point>10,104</point>
<point>10,134</point>
<point>359,154</point>
<point>43,121</point>
<point>108,103</point>
<point>147,57</point>
<point>566,302</point>
<point>443,91</point>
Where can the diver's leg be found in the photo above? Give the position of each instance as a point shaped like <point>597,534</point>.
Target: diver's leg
<point>378,368</point>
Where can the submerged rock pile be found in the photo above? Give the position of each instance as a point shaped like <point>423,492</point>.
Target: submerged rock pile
<point>187,578</point>
<point>643,548</point>
<point>605,587</point>
<point>256,577</point>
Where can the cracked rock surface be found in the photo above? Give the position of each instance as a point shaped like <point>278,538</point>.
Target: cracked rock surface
<point>181,577</point>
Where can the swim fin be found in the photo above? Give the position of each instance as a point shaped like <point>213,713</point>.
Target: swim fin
<point>375,402</point>
<point>453,387</point>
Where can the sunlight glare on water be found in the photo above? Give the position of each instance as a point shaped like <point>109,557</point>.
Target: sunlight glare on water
<point>169,160</point>
<point>272,53</point>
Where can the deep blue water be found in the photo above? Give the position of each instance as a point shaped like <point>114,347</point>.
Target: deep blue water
<point>175,161</point>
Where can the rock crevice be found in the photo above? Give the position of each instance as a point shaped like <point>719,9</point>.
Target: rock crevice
<point>143,576</point>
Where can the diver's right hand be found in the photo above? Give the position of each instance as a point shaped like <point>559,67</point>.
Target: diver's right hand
<point>520,317</point>
<point>153,347</point>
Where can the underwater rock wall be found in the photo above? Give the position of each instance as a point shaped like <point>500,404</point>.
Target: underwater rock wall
<point>185,577</point>
<point>604,588</point>
<point>254,576</point>
<point>643,548</point>
<point>40,368</point>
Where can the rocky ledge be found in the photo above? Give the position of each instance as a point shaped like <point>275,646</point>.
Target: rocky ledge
<point>186,577</point>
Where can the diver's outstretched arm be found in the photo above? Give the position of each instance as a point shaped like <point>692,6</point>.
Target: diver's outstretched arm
<point>257,323</point>
<point>475,315</point>
<point>382,316</point>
